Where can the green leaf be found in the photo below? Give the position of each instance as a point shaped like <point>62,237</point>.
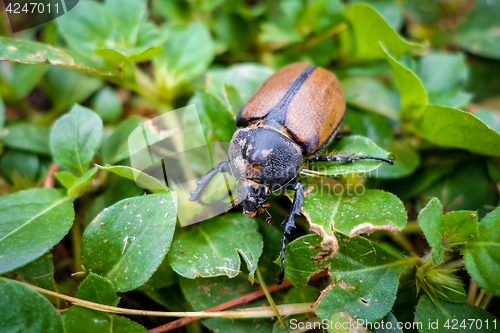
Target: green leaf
<point>369,29</point>
<point>25,310</point>
<point>2,115</point>
<point>478,33</point>
<point>75,138</point>
<point>371,125</point>
<point>107,104</point>
<point>27,137</point>
<point>35,53</point>
<point>98,289</point>
<point>39,272</point>
<point>433,317</point>
<point>430,220</point>
<point>348,146</point>
<point>460,227</point>
<point>136,54</point>
<point>126,242</point>
<point>26,77</point>
<point>458,129</point>
<point>32,221</point>
<point>222,119</point>
<point>81,184</point>
<point>393,322</point>
<point>370,94</point>
<point>116,147</point>
<point>143,179</point>
<point>24,164</point>
<point>82,320</point>
<point>388,9</point>
<point>490,117</point>
<point>213,248</point>
<point>66,178</point>
<point>163,277</point>
<point>407,161</point>
<point>413,95</point>
<point>341,322</point>
<point>128,15</point>
<point>482,257</point>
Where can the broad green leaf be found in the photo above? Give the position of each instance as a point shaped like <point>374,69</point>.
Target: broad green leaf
<point>222,119</point>
<point>482,257</point>
<point>460,227</point>
<point>98,289</point>
<point>82,320</point>
<point>341,322</point>
<point>411,89</point>
<point>187,52</point>
<point>66,178</point>
<point>352,212</point>
<point>25,78</point>
<point>384,328</point>
<point>26,137</point>
<point>430,220</point>
<point>349,146</point>
<point>370,94</point>
<point>365,276</point>
<point>126,242</point>
<point>208,292</point>
<point>163,277</point>
<point>142,179</point>
<point>388,9</point>
<point>81,184</point>
<point>107,104</point>
<point>75,138</point>
<point>407,160</point>
<point>32,222</point>
<point>478,33</point>
<point>370,125</point>
<point>35,53</point>
<point>455,128</point>
<point>39,272</point>
<point>128,15</point>
<point>24,164</point>
<point>66,86</point>
<point>434,316</point>
<point>136,54</point>
<point>369,29</point>
<point>214,247</point>
<point>116,147</point>
<point>25,310</point>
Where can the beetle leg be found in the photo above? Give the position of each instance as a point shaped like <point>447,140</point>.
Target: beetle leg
<point>333,158</point>
<point>269,218</point>
<point>339,136</point>
<point>289,222</point>
<point>206,179</point>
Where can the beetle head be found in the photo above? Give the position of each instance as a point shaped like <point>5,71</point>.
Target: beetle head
<point>252,195</point>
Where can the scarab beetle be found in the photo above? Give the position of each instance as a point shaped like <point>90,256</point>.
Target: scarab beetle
<point>290,119</point>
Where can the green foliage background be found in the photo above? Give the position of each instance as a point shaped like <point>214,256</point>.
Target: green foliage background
<point>421,82</point>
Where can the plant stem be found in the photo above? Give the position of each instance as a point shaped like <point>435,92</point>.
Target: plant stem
<point>480,297</point>
<point>269,298</point>
<point>472,292</point>
<point>486,301</point>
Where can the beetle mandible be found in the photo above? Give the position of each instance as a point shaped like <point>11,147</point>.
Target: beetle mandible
<point>290,119</point>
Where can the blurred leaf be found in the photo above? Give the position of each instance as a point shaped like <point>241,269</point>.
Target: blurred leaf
<point>303,294</point>
<point>26,77</point>
<point>389,318</point>
<point>26,137</point>
<point>35,53</point>
<point>371,95</point>
<point>478,34</point>
<point>2,114</point>
<point>66,87</point>
<point>126,242</point>
<point>66,178</point>
<point>349,146</point>
<point>32,222</point>
<point>18,314</point>
<point>39,272</point>
<point>460,227</point>
<point>107,104</point>
<point>171,298</point>
<point>213,248</point>
<point>81,184</point>
<point>163,277</point>
<point>407,160</point>
<point>430,220</point>
<point>116,147</point>
<point>24,164</point>
<point>187,52</point>
<point>482,257</point>
<point>76,137</point>
<point>222,119</point>
<point>135,54</point>
<point>369,29</point>
<point>429,312</point>
<point>490,117</point>
<point>371,125</point>
<point>128,15</point>
<point>388,9</point>
<point>82,320</point>
<point>98,289</point>
<point>341,322</point>
<point>143,179</point>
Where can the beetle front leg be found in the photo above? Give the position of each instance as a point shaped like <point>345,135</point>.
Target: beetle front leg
<point>333,158</point>
<point>289,222</point>
<point>206,179</point>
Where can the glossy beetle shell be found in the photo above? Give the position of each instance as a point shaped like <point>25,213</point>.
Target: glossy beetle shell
<point>310,111</point>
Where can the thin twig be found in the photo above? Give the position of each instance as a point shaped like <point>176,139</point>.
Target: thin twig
<point>486,301</point>
<point>472,292</point>
<point>232,303</point>
<point>269,298</point>
<point>480,297</point>
<point>49,179</point>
